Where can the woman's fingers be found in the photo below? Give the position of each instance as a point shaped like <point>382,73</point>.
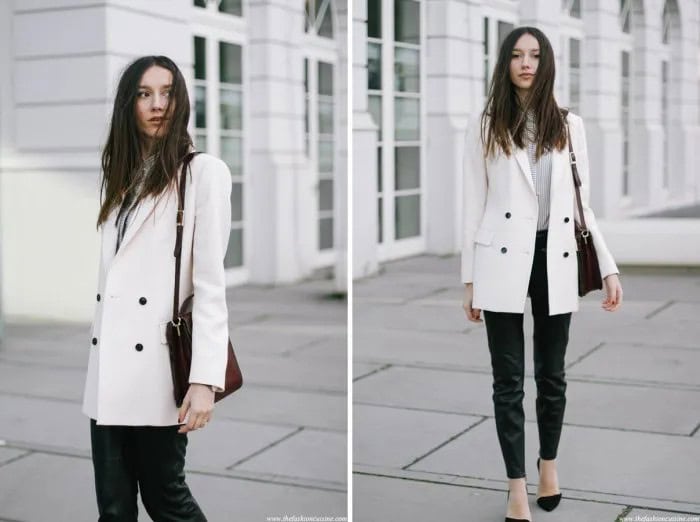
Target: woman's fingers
<point>614,298</point>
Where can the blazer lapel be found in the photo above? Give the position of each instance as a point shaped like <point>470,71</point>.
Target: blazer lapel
<point>142,212</point>
<point>524,163</point>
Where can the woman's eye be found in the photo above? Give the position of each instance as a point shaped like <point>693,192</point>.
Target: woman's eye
<point>142,94</point>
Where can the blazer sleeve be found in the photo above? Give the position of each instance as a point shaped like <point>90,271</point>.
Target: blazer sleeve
<point>605,259</point>
<point>212,226</point>
<point>474,187</point>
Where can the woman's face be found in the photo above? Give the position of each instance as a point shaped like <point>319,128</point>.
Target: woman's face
<point>523,63</point>
<point>152,100</point>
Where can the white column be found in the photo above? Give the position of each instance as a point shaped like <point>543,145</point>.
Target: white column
<point>340,184</point>
<point>454,90</point>
<point>364,153</point>
<point>685,130</point>
<point>279,180</point>
<point>600,103</point>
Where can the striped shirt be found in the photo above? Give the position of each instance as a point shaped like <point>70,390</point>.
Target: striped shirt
<point>540,170</point>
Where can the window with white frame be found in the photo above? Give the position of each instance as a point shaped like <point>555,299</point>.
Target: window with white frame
<point>571,8</point>
<point>394,101</point>
<point>625,16</point>
<point>625,121</point>
<point>320,101</point>
<point>666,22</point>
<point>325,147</point>
<point>232,7</point>
<point>374,87</point>
<point>407,131</point>
<point>500,29</point>
<point>318,17</point>
<point>223,89</point>
<point>665,121</point>
<point>575,75</point>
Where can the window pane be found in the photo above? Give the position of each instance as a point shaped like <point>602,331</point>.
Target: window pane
<point>200,3</point>
<point>625,64</point>
<point>230,70</point>
<point>200,142</point>
<point>380,183</point>
<point>407,167</point>
<point>407,21</point>
<point>325,194</point>
<point>576,9</point>
<point>486,56</point>
<point>374,18</point>
<point>325,78</point>
<point>407,216</point>
<point>325,155</point>
<point>325,233</point>
<point>407,119</point>
<point>326,28</point>
<point>375,110</point>
<point>504,28</point>
<point>374,66</point>
<point>233,7</point>
<point>306,75</point>
<point>200,60</point>
<point>230,106</point>
<point>574,53</point>
<point>234,253</point>
<point>380,221</point>
<point>406,70</point>
<point>200,106</point>
<point>325,117</point>
<point>237,202</point>
<point>232,154</point>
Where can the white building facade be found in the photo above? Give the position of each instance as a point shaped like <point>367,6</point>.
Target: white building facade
<point>630,68</point>
<point>267,82</point>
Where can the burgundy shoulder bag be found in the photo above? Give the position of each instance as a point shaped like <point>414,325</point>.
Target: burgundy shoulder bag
<point>179,329</point>
<point>589,278</point>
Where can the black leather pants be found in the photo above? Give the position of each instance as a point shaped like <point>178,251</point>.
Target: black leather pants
<point>151,458</point>
<point>507,345</point>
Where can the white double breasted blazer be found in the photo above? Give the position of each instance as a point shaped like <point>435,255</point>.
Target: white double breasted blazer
<point>128,378</point>
<point>500,222</point>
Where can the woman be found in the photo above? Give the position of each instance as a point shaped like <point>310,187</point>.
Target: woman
<point>138,435</point>
<point>518,241</point>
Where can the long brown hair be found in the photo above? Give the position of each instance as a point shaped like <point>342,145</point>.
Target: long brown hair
<point>122,154</point>
<point>504,115</point>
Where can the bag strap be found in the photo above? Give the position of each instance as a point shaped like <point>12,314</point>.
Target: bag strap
<point>178,237</point>
<point>574,172</point>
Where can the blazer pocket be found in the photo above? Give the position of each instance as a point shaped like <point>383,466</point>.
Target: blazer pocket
<point>483,236</point>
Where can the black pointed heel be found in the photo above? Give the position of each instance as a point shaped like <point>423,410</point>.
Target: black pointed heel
<point>509,519</point>
<point>550,502</point>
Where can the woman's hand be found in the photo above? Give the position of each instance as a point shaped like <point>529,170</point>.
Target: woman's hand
<point>199,402</point>
<point>613,289</point>
<point>473,314</point>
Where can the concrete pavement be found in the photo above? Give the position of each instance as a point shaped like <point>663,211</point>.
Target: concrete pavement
<point>425,445</point>
<point>277,447</point>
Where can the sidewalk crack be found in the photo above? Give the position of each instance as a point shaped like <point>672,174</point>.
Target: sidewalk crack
<point>264,448</point>
<point>443,444</point>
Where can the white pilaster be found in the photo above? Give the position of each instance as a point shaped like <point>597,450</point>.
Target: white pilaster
<point>365,134</point>
<point>281,251</point>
